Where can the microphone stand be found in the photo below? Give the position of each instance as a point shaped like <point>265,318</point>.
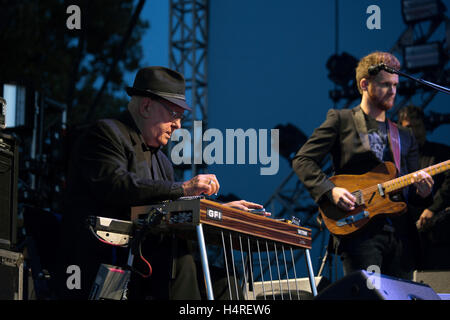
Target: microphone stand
<point>421,81</point>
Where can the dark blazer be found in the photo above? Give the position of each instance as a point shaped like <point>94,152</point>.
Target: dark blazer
<point>110,170</point>
<point>344,135</point>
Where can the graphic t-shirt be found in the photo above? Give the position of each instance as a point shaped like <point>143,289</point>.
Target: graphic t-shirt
<point>379,144</point>
<point>378,138</point>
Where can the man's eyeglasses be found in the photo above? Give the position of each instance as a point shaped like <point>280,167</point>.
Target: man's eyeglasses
<point>175,115</point>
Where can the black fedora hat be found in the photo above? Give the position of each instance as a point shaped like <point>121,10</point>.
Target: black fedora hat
<point>162,82</point>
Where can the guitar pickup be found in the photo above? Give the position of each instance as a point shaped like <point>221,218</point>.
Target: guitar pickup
<point>353,218</point>
<point>380,189</point>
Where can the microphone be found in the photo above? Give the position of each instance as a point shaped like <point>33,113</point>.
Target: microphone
<point>374,70</point>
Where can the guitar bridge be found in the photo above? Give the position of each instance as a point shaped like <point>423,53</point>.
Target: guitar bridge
<point>353,218</point>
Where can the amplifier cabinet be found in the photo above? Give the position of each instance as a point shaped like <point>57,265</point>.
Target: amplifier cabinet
<point>439,280</point>
<point>11,275</point>
<point>9,156</point>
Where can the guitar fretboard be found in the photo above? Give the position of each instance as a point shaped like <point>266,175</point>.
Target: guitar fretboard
<point>404,181</point>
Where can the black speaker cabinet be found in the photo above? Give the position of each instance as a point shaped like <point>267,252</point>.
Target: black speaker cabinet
<point>8,191</point>
<point>11,275</point>
<point>362,285</point>
<point>439,280</point>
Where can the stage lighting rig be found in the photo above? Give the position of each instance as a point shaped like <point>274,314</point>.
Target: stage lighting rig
<point>414,11</point>
<point>342,68</point>
<point>342,72</point>
<point>350,93</point>
<point>423,56</point>
<point>291,139</point>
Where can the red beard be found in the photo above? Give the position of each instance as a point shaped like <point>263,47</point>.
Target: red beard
<point>384,104</point>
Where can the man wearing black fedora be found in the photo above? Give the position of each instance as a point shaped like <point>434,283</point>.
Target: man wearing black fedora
<point>116,164</point>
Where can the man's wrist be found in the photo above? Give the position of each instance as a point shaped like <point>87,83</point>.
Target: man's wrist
<point>177,190</point>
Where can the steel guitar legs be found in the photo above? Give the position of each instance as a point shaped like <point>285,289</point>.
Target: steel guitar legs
<point>204,260</point>
<point>257,258</point>
<point>257,248</point>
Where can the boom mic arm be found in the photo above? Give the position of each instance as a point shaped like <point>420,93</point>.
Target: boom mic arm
<point>374,70</point>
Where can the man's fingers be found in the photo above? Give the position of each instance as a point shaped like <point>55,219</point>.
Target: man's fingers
<point>347,203</point>
<point>349,198</point>
<point>214,185</point>
<point>423,178</point>
<point>207,183</point>
<point>423,183</point>
<point>244,205</point>
<point>251,205</point>
<point>204,183</point>
<point>343,198</point>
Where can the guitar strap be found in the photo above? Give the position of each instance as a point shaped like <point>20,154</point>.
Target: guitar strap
<point>394,139</point>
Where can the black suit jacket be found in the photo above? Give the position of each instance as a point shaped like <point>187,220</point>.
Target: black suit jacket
<point>110,170</point>
<point>344,135</point>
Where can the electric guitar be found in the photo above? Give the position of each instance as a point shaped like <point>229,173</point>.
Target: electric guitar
<point>371,191</point>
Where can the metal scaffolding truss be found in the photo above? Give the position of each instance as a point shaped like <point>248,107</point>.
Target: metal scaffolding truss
<point>425,31</point>
<point>418,34</point>
<point>188,44</point>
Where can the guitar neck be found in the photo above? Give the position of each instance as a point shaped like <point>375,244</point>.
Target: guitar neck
<point>404,181</point>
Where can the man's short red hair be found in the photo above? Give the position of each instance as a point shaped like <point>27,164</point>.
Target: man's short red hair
<point>372,59</point>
